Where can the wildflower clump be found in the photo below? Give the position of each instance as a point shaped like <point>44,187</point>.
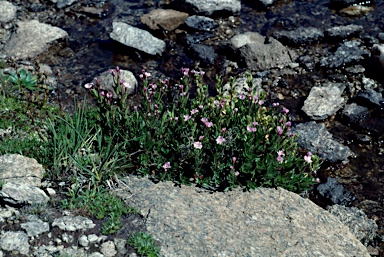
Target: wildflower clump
<point>218,142</point>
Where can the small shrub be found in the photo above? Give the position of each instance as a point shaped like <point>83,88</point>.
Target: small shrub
<point>144,244</point>
<point>217,142</point>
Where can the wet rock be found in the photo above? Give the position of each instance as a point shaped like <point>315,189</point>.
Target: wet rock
<point>356,10</point>
<point>15,242</point>
<point>299,36</point>
<point>349,53</point>
<point>137,38</point>
<point>354,113</point>
<point>206,54</point>
<point>92,11</point>
<point>201,23</point>
<point>7,11</point>
<point>32,38</point>
<point>245,223</point>
<point>377,57</point>
<point>318,140</point>
<point>259,53</point>
<point>17,193</point>
<point>209,7</point>
<point>343,32</point>
<point>347,3</point>
<point>370,97</point>
<point>197,38</point>
<point>335,192</point>
<point>70,223</point>
<point>307,61</point>
<point>323,102</point>
<point>35,227</point>
<point>15,167</point>
<point>363,228</point>
<point>63,3</point>
<point>164,19</point>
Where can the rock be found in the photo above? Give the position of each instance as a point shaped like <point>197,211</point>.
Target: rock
<point>35,227</point>
<point>63,3</point>
<point>197,38</point>
<point>318,140</point>
<point>70,223</point>
<point>363,228</point>
<point>354,113</point>
<point>267,2</point>
<point>370,97</point>
<point>343,32</point>
<point>299,36</point>
<point>7,11</point>
<point>209,7</point>
<point>32,38</point>
<point>16,193</point>
<point>323,102</point>
<point>201,23</point>
<point>356,10</point>
<point>137,38</point>
<point>263,222</point>
<point>349,53</point>
<point>377,57</point>
<point>259,53</point>
<point>15,167</point>
<point>120,246</point>
<point>15,241</point>
<point>106,81</point>
<point>206,54</point>
<point>241,86</point>
<point>335,192</point>
<point>164,19</point>
<point>108,249</point>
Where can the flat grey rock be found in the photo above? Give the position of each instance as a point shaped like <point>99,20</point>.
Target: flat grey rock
<point>137,38</point>
<point>70,223</point>
<point>209,7</point>
<point>188,221</point>
<point>15,167</point>
<point>7,11</point>
<point>15,241</point>
<point>32,38</point>
<point>16,193</point>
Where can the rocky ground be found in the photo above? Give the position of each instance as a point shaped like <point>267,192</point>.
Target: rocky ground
<point>322,60</point>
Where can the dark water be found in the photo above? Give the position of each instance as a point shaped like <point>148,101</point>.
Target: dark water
<point>90,51</point>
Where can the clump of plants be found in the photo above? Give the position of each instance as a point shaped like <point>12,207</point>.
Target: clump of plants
<point>218,142</point>
<point>144,244</point>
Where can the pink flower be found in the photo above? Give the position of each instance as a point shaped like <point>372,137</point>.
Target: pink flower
<point>279,130</point>
<point>242,97</point>
<point>285,110</point>
<point>261,102</point>
<point>183,94</point>
<point>194,111</point>
<point>308,159</point>
<point>317,180</point>
<point>234,159</point>
<point>141,76</point>
<point>251,129</point>
<point>237,173</point>
<point>109,95</point>
<point>281,153</point>
<point>197,145</point>
<point>147,74</point>
<point>201,138</point>
<point>281,120</point>
<point>202,73</point>
<point>112,71</point>
<point>216,103</point>
<point>275,104</point>
<point>309,154</point>
<point>220,140</point>
<point>201,106</point>
<point>181,87</point>
<point>185,71</point>
<point>236,109</point>
<point>154,86</point>
<point>231,167</point>
<point>223,129</point>
<point>176,118</point>
<point>208,124</point>
<point>167,165</point>
<point>288,124</point>
<point>102,93</point>
<point>155,106</point>
<point>204,120</point>
<point>255,123</point>
<point>187,117</point>
<point>280,159</point>
<point>88,85</point>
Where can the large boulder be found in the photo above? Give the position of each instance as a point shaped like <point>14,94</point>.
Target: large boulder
<point>189,221</point>
<point>32,38</point>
